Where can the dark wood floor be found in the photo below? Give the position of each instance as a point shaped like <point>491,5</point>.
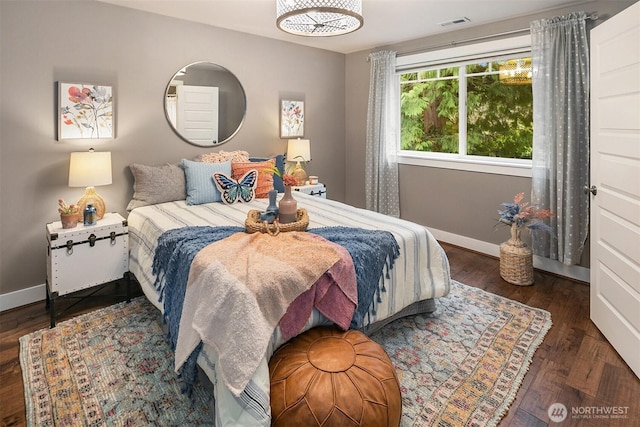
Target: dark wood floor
<point>574,366</point>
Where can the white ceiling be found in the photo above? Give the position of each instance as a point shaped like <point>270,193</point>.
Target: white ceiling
<point>385,21</point>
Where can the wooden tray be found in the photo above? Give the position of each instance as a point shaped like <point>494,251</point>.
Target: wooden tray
<point>253,224</point>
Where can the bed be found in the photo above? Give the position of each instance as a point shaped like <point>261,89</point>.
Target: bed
<point>420,274</point>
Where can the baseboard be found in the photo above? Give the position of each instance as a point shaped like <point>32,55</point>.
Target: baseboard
<point>574,272</point>
<point>22,297</point>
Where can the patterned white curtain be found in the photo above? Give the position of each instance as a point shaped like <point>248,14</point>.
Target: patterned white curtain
<point>383,119</point>
<point>560,58</point>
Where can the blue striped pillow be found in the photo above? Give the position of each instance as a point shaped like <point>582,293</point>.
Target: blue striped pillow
<point>199,178</point>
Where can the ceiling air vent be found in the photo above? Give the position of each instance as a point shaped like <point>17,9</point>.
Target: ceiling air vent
<point>455,22</point>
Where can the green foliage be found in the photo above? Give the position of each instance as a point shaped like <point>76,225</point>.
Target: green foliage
<point>499,116</point>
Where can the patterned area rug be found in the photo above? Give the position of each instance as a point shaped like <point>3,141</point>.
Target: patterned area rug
<point>111,367</point>
<point>464,364</point>
<point>461,366</point>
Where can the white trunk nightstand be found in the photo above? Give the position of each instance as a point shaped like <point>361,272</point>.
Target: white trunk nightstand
<point>85,256</point>
<point>319,190</point>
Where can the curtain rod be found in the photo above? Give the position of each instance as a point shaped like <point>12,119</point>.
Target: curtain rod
<point>592,17</point>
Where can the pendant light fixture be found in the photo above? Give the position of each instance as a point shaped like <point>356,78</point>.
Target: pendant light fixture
<point>319,18</point>
<point>516,71</point>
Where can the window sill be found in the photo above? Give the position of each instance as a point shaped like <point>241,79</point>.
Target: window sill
<point>489,165</point>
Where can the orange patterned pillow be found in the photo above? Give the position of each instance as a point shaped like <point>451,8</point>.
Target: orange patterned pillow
<point>265,179</point>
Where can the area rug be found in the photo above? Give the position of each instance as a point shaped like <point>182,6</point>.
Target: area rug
<point>462,365</point>
<point>111,367</point>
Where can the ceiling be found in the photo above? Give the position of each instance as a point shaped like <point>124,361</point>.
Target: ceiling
<point>385,21</point>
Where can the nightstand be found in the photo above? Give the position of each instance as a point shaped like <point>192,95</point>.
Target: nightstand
<point>318,190</point>
<point>85,256</point>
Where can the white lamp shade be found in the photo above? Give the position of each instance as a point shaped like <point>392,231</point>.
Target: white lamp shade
<point>90,169</point>
<point>298,150</point>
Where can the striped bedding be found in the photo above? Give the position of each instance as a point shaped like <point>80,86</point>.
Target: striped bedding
<point>420,274</point>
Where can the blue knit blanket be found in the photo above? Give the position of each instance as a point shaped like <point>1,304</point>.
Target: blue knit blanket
<point>373,252</point>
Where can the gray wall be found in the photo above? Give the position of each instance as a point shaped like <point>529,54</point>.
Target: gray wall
<point>42,42</point>
<point>458,202</point>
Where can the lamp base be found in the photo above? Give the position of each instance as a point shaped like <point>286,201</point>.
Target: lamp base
<point>91,197</point>
<point>299,174</point>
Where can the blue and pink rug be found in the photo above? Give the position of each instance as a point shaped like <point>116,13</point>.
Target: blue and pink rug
<point>460,366</point>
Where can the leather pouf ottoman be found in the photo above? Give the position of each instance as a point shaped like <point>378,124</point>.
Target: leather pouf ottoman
<point>329,377</point>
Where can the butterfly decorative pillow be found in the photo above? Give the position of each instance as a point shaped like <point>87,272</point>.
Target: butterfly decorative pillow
<point>234,191</point>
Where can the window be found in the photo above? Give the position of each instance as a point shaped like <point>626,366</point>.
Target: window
<point>469,107</point>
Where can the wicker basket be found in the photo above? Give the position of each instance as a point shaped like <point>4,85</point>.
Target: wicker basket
<point>516,260</point>
<point>253,224</point>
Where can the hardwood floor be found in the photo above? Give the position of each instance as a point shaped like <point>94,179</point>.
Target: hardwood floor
<point>574,366</point>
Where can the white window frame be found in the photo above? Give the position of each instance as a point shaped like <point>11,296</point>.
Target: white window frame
<point>464,54</point>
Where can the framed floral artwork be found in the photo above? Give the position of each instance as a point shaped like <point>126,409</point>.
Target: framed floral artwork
<point>291,119</point>
<point>85,111</point>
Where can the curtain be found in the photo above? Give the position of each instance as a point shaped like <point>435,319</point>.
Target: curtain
<point>560,58</point>
<point>383,119</point>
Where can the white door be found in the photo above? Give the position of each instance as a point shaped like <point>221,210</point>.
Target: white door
<point>197,113</point>
<point>615,173</point>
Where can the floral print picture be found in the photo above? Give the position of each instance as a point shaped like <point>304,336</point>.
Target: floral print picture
<point>86,111</point>
<point>291,119</point>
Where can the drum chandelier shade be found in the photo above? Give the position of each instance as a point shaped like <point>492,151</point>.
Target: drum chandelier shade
<point>319,18</point>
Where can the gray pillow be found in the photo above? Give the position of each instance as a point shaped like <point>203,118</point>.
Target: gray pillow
<point>156,184</point>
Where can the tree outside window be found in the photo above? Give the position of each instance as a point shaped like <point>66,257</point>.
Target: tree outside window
<point>479,109</point>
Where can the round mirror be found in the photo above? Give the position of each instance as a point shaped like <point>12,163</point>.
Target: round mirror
<point>205,104</point>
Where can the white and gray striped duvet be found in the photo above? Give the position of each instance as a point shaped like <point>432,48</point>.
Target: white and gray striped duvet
<point>420,273</point>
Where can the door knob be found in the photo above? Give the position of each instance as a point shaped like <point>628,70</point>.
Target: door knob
<point>593,189</point>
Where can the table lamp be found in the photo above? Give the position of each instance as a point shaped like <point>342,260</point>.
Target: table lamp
<point>299,150</point>
<point>90,169</point>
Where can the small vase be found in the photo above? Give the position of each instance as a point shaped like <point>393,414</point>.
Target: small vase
<point>288,207</point>
<point>69,220</point>
<point>273,206</point>
<point>90,215</point>
<point>271,213</point>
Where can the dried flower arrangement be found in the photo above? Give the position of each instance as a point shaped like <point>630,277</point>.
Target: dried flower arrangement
<point>287,179</point>
<point>65,209</point>
<point>523,214</point>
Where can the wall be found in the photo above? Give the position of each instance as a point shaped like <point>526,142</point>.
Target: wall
<point>463,205</point>
<point>43,42</point>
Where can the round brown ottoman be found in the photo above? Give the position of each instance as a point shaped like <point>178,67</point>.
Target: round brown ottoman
<point>328,377</point>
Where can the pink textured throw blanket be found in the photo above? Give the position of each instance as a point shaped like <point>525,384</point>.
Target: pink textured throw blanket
<point>238,290</point>
<point>335,295</point>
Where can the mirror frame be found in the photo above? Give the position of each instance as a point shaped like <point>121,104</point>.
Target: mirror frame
<point>240,121</point>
